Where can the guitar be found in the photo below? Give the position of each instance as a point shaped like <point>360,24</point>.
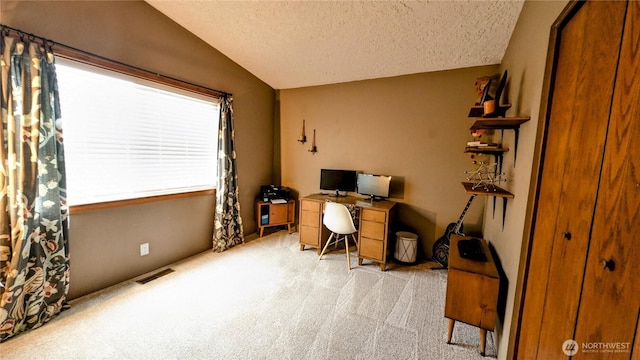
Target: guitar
<point>441,246</point>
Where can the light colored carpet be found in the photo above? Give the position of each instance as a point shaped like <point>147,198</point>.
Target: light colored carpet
<point>261,300</point>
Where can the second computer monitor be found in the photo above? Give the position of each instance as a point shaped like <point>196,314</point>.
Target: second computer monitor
<point>374,186</point>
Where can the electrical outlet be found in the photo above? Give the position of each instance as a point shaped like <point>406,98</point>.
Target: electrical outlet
<point>144,249</point>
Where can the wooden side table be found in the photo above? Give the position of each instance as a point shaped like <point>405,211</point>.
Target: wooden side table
<point>472,291</point>
<point>269,214</point>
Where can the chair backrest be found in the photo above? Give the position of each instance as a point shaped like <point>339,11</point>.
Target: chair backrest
<point>337,218</point>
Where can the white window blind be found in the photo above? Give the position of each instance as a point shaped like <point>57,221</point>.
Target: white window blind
<point>129,138</point>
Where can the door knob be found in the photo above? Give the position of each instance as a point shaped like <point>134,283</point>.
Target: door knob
<point>608,264</point>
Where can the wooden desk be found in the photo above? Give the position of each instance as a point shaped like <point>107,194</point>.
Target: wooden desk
<point>472,291</point>
<point>374,223</point>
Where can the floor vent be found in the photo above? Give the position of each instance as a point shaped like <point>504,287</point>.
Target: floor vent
<point>154,276</point>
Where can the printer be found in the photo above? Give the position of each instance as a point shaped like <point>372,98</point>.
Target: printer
<point>270,192</point>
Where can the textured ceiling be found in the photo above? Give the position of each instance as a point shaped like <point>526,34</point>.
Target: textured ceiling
<point>290,44</point>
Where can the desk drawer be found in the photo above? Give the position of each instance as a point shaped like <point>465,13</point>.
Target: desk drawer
<point>307,205</point>
<point>310,235</point>
<point>372,230</point>
<point>309,218</point>
<point>371,249</point>
<point>373,215</point>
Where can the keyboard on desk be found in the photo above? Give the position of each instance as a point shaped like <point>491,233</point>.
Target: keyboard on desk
<point>363,203</point>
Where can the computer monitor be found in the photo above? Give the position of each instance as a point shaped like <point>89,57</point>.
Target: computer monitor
<point>337,180</point>
<point>374,186</point>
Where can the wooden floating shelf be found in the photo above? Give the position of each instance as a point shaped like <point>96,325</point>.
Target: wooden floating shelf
<point>496,152</point>
<point>499,192</point>
<point>499,123</point>
<point>485,150</point>
<point>478,110</point>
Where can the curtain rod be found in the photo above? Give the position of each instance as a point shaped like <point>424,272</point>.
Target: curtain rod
<point>49,45</point>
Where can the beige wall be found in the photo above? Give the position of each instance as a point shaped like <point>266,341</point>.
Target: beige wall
<point>525,61</point>
<point>105,244</point>
<point>412,127</point>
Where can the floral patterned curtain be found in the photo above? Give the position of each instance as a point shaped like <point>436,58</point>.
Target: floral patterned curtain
<point>34,249</point>
<point>227,230</point>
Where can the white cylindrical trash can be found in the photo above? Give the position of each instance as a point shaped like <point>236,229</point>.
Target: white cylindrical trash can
<point>406,246</point>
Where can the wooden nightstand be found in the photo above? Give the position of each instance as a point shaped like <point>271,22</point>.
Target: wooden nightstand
<point>269,214</point>
<point>472,291</point>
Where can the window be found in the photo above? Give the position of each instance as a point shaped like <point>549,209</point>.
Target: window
<point>129,138</point>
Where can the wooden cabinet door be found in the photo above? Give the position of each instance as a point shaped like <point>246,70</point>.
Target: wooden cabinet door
<point>471,298</point>
<point>635,353</point>
<point>576,131</point>
<point>278,214</point>
<point>610,301</point>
